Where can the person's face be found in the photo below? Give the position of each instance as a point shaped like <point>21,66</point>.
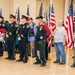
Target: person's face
<point>11,19</point>
<point>0,19</point>
<point>40,20</point>
<point>23,20</point>
<point>59,24</point>
<point>30,21</point>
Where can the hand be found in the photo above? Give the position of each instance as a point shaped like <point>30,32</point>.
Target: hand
<point>64,43</point>
<point>7,36</point>
<point>19,38</point>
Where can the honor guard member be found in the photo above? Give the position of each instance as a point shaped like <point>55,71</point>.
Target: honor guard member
<point>31,37</point>
<point>2,25</point>
<point>10,35</point>
<point>41,32</point>
<point>2,32</point>
<point>22,38</point>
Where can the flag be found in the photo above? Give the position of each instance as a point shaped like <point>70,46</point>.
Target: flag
<point>52,18</point>
<point>28,14</point>
<point>17,15</point>
<point>0,11</point>
<point>51,22</point>
<point>69,27</point>
<point>41,9</point>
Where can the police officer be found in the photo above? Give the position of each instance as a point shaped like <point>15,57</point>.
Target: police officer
<point>10,35</point>
<point>22,38</point>
<point>2,32</point>
<point>41,32</point>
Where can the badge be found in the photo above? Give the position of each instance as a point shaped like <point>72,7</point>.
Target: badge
<point>27,26</point>
<point>41,37</point>
<point>3,25</point>
<point>23,26</point>
<point>0,24</point>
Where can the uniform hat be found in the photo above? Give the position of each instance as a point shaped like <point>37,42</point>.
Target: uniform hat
<point>1,17</point>
<point>39,17</point>
<point>30,18</point>
<point>24,17</point>
<point>12,16</point>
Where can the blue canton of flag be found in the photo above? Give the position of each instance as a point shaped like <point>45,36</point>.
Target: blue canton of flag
<point>71,9</point>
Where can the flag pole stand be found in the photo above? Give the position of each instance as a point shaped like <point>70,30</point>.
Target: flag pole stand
<point>73,65</point>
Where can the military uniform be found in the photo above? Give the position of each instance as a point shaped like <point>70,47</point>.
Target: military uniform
<point>2,32</point>
<point>22,37</point>
<point>11,35</point>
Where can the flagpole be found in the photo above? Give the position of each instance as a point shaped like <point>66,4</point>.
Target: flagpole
<point>67,53</point>
<point>73,65</point>
<point>49,27</point>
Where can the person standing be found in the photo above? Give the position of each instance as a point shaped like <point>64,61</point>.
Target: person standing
<point>41,32</point>
<point>10,35</point>
<point>31,37</point>
<point>2,33</point>
<point>59,42</point>
<point>16,40</point>
<point>23,38</point>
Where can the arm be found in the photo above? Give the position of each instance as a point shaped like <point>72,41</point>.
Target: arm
<point>47,30</point>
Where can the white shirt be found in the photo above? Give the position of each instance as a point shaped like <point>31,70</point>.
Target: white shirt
<point>59,34</point>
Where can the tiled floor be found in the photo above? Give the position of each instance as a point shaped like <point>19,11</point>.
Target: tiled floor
<point>18,68</point>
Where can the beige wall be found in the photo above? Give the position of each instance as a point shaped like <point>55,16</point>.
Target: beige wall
<point>5,8</point>
<point>10,6</point>
<point>23,7</point>
<point>58,8</point>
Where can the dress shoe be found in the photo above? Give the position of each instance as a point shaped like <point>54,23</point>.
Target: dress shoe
<point>55,62</point>
<point>73,57</point>
<point>73,65</point>
<point>7,58</point>
<point>25,60</point>
<point>12,58</point>
<point>62,63</point>
<point>19,60</point>
<point>36,63</point>
<point>43,64</point>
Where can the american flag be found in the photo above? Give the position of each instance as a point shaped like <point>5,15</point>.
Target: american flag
<point>51,22</point>
<point>17,15</point>
<point>41,9</point>
<point>69,27</point>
